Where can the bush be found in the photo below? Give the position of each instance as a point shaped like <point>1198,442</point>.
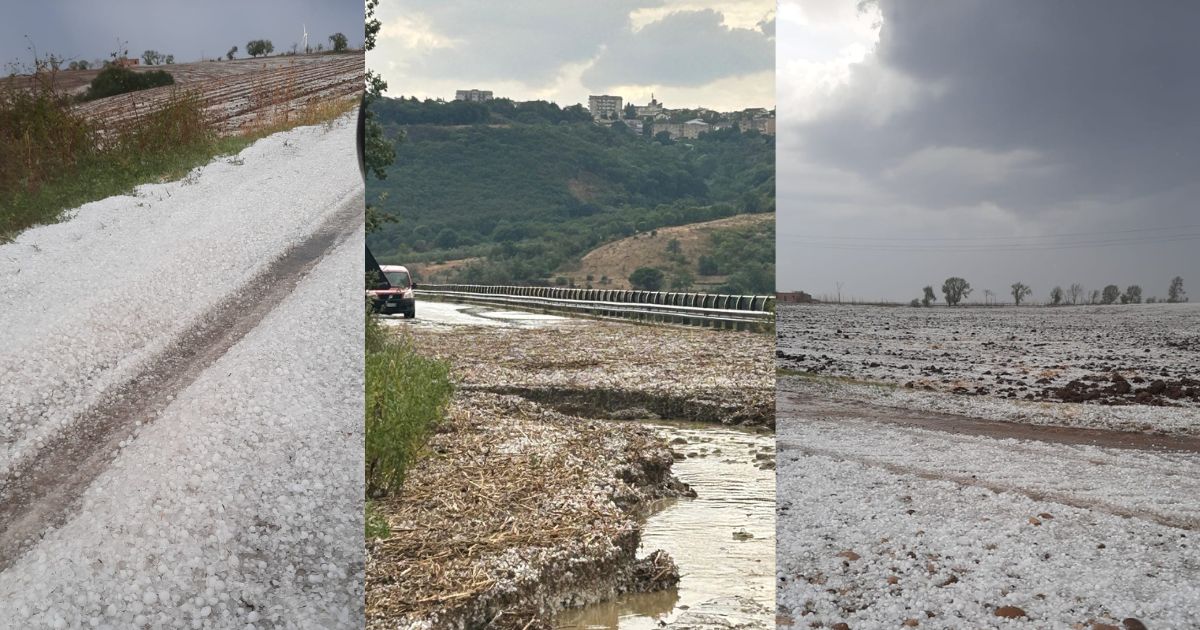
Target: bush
<point>339,42</point>
<point>115,80</point>
<point>646,279</point>
<point>406,396</point>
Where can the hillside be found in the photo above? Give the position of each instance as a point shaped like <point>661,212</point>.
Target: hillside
<point>532,198</point>
<point>677,251</point>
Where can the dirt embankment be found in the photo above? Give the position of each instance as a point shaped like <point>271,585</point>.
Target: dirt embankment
<point>517,512</point>
<point>530,496</point>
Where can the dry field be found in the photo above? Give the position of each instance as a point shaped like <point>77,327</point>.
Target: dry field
<point>1102,355</point>
<point>239,95</point>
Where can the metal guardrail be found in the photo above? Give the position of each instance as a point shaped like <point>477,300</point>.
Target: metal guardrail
<point>742,312</point>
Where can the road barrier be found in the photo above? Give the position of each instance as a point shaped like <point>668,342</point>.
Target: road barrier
<point>740,312</point>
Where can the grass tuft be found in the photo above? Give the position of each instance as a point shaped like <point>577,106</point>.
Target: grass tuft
<point>406,397</point>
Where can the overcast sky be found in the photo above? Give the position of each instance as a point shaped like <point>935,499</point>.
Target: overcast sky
<point>714,53</point>
<point>1042,142</point>
<point>84,29</point>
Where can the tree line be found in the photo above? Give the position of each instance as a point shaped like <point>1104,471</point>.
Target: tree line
<point>955,290</point>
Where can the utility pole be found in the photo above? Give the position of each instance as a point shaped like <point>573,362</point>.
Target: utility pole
<point>839,287</point>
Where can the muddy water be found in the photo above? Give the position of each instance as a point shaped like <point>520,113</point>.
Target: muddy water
<point>723,540</point>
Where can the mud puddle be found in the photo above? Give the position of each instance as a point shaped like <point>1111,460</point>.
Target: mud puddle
<point>723,540</point>
<point>801,406</point>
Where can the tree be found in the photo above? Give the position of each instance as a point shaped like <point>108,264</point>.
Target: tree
<point>681,280</point>
<point>378,151</point>
<point>1056,296</point>
<point>1076,292</point>
<point>1133,295</point>
<point>230,53</point>
<point>1176,292</point>
<point>673,246</point>
<point>916,302</point>
<point>1019,291</point>
<point>955,289</point>
<point>646,279</point>
<point>151,57</point>
<point>929,298</point>
<point>447,238</point>
<point>169,59</point>
<point>257,47</point>
<point>339,42</point>
<point>1094,298</point>
<point>630,110</point>
<point>707,266</point>
<point>1111,293</point>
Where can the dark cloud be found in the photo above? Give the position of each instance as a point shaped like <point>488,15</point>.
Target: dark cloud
<point>1101,98</point>
<point>1013,121</point>
<point>685,48</point>
<point>525,41</point>
<point>80,29</point>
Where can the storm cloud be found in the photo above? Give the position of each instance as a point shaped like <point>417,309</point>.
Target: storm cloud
<point>688,52</point>
<point>1009,140</point>
<point>685,48</point>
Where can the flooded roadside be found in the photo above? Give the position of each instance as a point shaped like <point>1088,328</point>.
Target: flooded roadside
<point>723,540</point>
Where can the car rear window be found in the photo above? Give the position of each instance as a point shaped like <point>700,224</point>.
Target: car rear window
<point>397,278</point>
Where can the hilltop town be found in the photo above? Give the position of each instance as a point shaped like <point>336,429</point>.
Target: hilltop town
<point>654,117</point>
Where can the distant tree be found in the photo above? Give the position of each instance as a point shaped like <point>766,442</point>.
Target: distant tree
<point>151,57</point>
<point>1094,297</point>
<point>257,47</point>
<point>929,298</point>
<point>955,289</point>
<point>663,137</point>
<point>1132,295</point>
<point>630,110</point>
<point>1176,292</point>
<point>682,280</point>
<point>295,47</point>
<point>169,59</point>
<point>1056,296</point>
<point>707,266</point>
<point>646,279</point>
<point>74,65</point>
<point>916,302</point>
<point>447,239</point>
<point>1076,292</point>
<point>84,64</point>
<point>619,127</point>
<point>673,246</point>
<point>1111,293</point>
<point>320,47</point>
<point>1019,291</point>
<point>1151,300</point>
<point>230,53</point>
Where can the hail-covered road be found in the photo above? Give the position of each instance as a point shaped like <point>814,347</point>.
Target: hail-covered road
<point>180,400</point>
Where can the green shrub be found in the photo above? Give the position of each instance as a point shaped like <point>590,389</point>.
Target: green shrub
<point>406,396</point>
<point>115,80</point>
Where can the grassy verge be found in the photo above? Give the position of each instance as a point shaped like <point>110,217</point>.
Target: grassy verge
<point>53,159</point>
<point>406,396</point>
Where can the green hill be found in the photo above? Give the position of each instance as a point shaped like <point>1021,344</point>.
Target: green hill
<point>531,196</point>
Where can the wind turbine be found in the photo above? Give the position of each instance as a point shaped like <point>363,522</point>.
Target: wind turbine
<point>305,38</point>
